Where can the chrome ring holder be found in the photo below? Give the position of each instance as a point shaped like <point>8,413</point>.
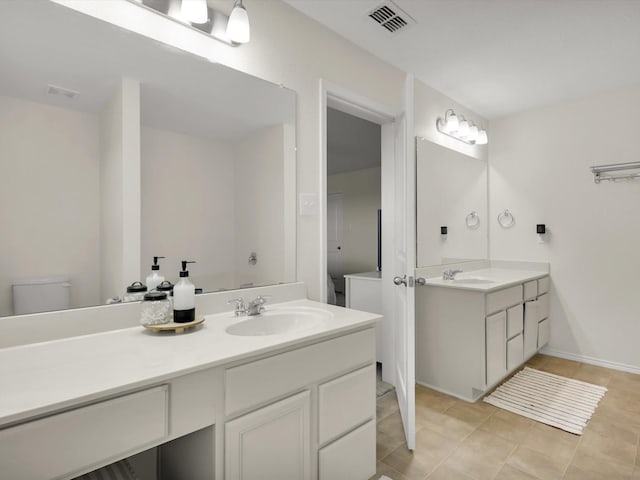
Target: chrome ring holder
<point>473,220</point>
<point>506,219</point>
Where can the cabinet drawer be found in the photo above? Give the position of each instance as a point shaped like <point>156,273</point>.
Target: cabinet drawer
<point>544,332</point>
<point>503,298</point>
<point>65,443</point>
<point>543,306</point>
<point>346,402</point>
<point>289,371</point>
<point>543,285</point>
<point>514,320</point>
<point>530,290</point>
<point>515,352</point>
<point>350,457</point>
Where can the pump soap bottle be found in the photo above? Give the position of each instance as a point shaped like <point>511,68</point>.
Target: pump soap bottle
<point>184,297</point>
<point>154,278</point>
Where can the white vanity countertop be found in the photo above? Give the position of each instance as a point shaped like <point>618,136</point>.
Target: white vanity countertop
<point>487,279</point>
<point>45,377</point>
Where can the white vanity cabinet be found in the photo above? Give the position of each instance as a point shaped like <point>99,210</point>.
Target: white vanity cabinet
<point>468,340</point>
<point>293,416</point>
<point>205,405</point>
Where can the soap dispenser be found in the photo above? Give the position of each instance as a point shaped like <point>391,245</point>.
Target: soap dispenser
<point>154,278</point>
<point>184,297</point>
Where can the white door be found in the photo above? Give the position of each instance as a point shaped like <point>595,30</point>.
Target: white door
<point>398,270</point>
<point>335,266</point>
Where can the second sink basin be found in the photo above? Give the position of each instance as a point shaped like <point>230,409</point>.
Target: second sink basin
<point>279,321</point>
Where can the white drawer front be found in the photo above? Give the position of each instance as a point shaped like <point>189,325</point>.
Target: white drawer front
<point>543,306</point>
<point>515,352</point>
<point>544,332</point>
<point>543,285</point>
<point>346,402</point>
<point>257,382</point>
<point>502,299</point>
<point>350,457</point>
<point>530,290</point>
<point>514,320</point>
<point>68,442</point>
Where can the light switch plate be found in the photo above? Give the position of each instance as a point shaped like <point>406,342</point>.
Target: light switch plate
<point>308,204</point>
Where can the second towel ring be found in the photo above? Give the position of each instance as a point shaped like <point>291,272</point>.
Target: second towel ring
<point>506,219</point>
<point>473,220</point>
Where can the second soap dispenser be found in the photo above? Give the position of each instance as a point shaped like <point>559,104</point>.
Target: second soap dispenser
<point>184,297</point>
<point>154,278</point>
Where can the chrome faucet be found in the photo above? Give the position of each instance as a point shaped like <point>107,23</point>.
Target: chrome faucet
<point>254,307</point>
<point>450,274</point>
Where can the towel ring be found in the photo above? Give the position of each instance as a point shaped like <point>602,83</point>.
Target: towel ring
<point>473,220</point>
<point>506,219</point>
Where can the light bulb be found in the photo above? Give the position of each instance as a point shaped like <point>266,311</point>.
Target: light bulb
<point>451,124</point>
<point>194,11</point>
<point>238,25</point>
<point>463,129</point>
<point>482,138</point>
<point>472,136</point>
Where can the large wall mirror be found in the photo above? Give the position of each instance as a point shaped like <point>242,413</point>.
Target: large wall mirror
<point>451,194</point>
<point>116,148</point>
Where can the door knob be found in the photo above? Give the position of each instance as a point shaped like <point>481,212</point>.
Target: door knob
<point>339,247</point>
<point>400,280</point>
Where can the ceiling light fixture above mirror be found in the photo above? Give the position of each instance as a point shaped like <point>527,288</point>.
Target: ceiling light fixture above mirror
<point>461,129</point>
<point>233,30</point>
<point>238,25</point>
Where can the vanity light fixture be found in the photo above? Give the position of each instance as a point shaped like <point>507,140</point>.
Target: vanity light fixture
<point>194,11</point>
<point>460,128</point>
<point>238,25</point>
<point>198,15</point>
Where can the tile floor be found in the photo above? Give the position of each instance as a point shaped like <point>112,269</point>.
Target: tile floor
<point>456,440</point>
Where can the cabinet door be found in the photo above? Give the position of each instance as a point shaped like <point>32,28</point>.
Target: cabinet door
<point>531,328</point>
<point>514,352</point>
<point>544,332</point>
<point>272,442</point>
<point>496,347</point>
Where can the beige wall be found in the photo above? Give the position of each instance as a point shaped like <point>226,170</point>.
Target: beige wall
<point>539,170</point>
<point>259,197</point>
<point>289,48</point>
<point>188,212</point>
<point>56,152</point>
<point>361,201</point>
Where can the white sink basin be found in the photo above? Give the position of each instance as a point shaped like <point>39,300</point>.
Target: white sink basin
<point>280,321</point>
<point>473,281</point>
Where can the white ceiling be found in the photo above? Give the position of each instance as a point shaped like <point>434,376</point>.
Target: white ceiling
<point>352,143</point>
<point>498,57</point>
<point>179,91</point>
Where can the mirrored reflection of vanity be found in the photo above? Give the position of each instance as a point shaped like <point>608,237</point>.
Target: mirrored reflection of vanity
<point>116,148</point>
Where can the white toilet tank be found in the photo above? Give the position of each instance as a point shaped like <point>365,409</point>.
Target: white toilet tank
<point>42,294</point>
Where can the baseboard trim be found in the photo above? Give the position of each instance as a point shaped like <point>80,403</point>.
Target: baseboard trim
<point>591,361</point>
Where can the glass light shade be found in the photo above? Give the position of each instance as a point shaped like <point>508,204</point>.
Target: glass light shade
<point>451,124</point>
<point>472,136</point>
<point>482,138</point>
<point>238,26</point>
<point>194,11</point>
<point>463,129</point>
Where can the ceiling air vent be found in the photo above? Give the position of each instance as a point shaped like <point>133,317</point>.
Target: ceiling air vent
<point>67,92</point>
<point>391,17</point>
